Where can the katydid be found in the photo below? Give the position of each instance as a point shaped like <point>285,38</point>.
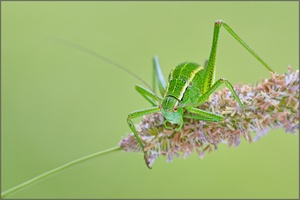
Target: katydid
<point>189,85</point>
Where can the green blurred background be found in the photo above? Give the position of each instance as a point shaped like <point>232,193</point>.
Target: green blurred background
<point>59,104</point>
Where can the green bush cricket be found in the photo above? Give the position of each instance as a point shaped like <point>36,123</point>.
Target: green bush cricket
<point>189,85</point>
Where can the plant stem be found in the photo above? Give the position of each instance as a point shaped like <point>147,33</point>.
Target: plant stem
<point>56,170</point>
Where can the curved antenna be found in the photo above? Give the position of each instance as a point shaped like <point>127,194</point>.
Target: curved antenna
<point>101,57</point>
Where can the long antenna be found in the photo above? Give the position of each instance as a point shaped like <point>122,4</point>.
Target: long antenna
<point>97,55</point>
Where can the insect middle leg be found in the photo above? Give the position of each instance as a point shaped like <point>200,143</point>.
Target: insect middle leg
<point>214,87</point>
<point>203,115</point>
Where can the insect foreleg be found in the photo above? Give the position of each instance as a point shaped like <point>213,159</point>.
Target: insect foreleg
<point>136,114</point>
<point>148,95</point>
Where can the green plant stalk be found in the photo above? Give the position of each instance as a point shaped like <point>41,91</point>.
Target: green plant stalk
<point>56,170</point>
<point>268,105</point>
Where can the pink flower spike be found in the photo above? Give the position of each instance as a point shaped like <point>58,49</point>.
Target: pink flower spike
<point>271,104</point>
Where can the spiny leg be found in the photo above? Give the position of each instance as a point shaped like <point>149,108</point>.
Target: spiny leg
<point>210,69</point>
<point>148,95</point>
<point>157,74</point>
<point>229,29</point>
<point>136,114</point>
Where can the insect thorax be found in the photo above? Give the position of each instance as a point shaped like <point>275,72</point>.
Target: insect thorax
<point>184,83</point>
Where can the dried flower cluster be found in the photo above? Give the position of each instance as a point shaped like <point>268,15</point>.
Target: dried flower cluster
<point>271,104</point>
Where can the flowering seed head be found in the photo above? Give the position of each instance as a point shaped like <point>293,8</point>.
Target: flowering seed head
<point>271,104</point>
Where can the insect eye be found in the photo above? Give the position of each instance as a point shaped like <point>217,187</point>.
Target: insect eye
<point>175,109</point>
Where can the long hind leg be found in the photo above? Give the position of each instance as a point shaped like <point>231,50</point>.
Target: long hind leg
<point>209,73</point>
